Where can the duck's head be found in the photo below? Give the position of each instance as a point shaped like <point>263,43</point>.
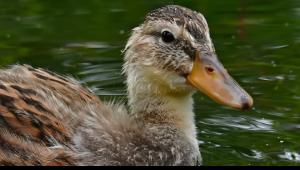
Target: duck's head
<point>172,52</point>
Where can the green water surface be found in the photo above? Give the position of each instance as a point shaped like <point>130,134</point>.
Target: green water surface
<point>258,41</point>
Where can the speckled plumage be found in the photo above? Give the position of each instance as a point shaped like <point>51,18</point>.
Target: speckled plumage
<point>48,119</point>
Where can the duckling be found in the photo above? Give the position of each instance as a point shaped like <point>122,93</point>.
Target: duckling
<point>49,119</point>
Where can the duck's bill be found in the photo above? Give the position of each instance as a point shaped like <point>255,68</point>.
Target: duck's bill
<point>209,76</point>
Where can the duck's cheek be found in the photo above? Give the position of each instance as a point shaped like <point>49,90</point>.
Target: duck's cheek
<point>176,80</point>
<point>184,69</point>
<point>177,84</point>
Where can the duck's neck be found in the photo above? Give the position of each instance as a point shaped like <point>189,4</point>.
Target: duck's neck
<point>152,101</point>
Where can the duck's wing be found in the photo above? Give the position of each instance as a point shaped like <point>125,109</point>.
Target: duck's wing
<point>16,150</point>
<point>36,108</point>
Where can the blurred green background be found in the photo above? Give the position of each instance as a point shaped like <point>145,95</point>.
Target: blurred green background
<point>258,41</point>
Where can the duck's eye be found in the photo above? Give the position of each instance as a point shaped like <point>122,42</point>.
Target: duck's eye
<point>167,36</point>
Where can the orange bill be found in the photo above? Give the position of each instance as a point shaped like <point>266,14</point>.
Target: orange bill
<point>209,76</point>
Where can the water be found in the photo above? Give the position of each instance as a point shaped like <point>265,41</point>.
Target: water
<point>258,42</point>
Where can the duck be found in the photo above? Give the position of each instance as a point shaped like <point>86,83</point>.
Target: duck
<point>47,119</point>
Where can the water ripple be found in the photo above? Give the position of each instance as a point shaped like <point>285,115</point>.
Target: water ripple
<point>89,45</point>
<point>246,123</point>
<point>254,154</point>
<point>275,47</point>
<point>271,78</point>
<point>292,156</point>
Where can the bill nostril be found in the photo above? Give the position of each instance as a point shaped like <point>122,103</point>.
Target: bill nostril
<point>209,69</point>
